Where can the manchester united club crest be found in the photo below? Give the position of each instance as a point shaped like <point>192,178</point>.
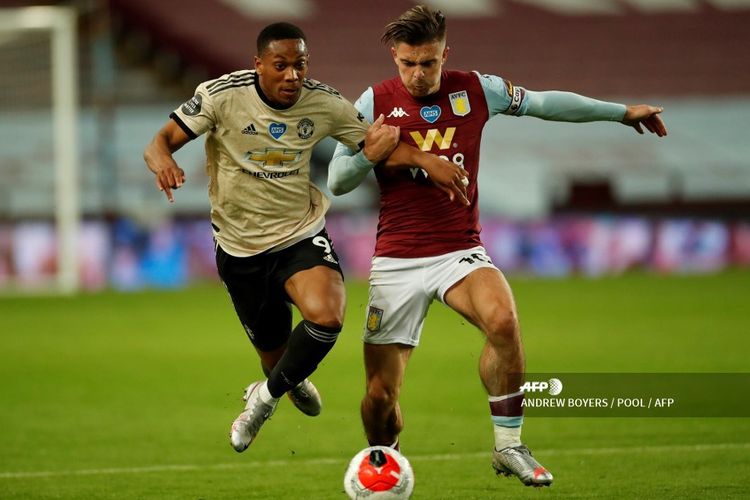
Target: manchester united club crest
<point>374,318</point>
<point>305,128</point>
<point>460,103</point>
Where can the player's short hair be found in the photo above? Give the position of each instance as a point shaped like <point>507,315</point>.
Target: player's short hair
<point>416,26</point>
<point>278,31</point>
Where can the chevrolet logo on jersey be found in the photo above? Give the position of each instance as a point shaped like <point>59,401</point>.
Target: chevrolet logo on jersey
<point>272,157</point>
<point>433,136</point>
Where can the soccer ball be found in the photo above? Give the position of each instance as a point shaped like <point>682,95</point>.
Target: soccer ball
<point>379,472</point>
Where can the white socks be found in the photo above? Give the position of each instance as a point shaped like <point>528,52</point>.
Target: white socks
<point>265,395</point>
<point>507,437</point>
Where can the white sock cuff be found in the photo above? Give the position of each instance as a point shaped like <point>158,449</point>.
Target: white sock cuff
<point>507,437</point>
<point>495,399</point>
<point>265,395</point>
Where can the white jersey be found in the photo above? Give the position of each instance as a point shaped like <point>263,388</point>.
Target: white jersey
<point>258,158</point>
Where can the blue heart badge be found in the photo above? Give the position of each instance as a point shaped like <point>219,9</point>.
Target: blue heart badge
<point>430,113</point>
<point>276,129</point>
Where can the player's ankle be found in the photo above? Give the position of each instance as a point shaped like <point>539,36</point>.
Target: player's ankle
<point>265,395</point>
<point>507,437</point>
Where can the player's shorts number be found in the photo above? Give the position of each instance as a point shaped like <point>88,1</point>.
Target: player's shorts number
<point>320,241</point>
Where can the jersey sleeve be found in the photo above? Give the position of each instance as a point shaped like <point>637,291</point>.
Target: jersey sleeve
<point>348,169</point>
<point>502,96</point>
<point>366,104</point>
<point>350,126</point>
<point>197,115</point>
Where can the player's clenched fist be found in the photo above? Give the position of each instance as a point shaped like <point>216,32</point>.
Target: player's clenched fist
<point>380,140</point>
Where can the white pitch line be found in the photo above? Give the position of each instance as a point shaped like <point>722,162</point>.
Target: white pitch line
<point>334,461</point>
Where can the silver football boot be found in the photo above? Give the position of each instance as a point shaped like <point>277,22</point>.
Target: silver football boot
<point>248,424</point>
<point>517,461</point>
<point>306,398</point>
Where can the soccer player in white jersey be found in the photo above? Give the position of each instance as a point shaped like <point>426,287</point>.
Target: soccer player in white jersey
<point>272,249</point>
<point>427,248</point>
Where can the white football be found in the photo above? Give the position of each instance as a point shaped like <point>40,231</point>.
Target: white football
<point>379,472</point>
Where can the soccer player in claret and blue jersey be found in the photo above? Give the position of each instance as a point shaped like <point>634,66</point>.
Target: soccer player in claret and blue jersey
<point>429,247</point>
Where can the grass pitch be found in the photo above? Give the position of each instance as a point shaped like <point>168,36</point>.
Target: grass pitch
<point>131,396</point>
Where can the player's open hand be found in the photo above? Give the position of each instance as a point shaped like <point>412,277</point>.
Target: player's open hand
<point>643,115</point>
<point>380,140</point>
<point>449,177</point>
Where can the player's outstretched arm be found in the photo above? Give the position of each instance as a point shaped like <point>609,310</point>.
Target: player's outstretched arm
<point>643,115</point>
<point>569,107</point>
<point>158,157</point>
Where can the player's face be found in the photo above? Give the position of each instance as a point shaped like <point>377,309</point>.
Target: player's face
<point>281,69</point>
<point>420,65</point>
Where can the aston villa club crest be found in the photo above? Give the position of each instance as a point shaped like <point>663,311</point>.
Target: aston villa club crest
<point>374,318</point>
<point>460,103</point>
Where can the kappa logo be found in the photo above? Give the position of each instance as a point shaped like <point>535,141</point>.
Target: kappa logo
<point>397,112</point>
<point>250,130</point>
<point>433,136</point>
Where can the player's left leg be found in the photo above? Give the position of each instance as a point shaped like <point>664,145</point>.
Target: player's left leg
<point>484,298</point>
<point>311,278</point>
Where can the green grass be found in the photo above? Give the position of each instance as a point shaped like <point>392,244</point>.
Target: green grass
<point>131,396</point>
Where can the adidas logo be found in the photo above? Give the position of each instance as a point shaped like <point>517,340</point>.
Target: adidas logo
<point>250,130</point>
<point>397,112</point>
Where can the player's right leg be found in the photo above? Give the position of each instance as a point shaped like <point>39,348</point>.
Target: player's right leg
<point>396,310</point>
<point>384,371</point>
<point>267,318</point>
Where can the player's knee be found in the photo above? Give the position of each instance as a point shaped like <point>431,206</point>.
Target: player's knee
<point>327,319</point>
<point>329,314</point>
<point>381,396</point>
<point>502,327</point>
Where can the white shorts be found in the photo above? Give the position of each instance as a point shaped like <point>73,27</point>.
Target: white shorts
<point>401,291</point>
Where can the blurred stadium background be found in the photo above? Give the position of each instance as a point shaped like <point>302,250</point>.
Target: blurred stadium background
<point>557,199</point>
